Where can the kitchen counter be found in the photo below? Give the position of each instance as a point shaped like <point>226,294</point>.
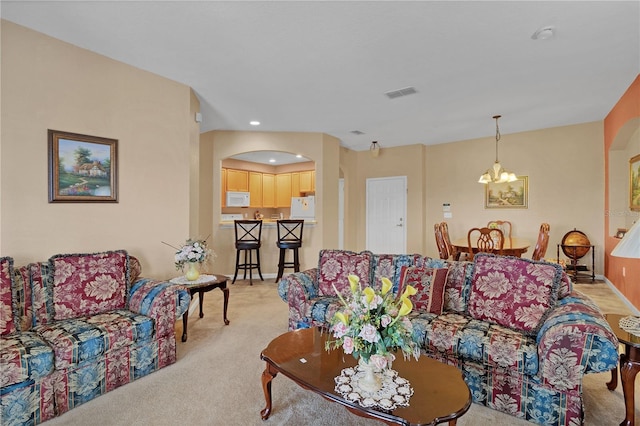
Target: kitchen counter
<point>266,223</point>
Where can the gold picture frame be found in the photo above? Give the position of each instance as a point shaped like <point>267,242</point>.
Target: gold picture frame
<point>634,183</point>
<point>82,168</point>
<point>507,195</point>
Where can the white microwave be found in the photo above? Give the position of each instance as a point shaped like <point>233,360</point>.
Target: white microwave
<point>238,199</point>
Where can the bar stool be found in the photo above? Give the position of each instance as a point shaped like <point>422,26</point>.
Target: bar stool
<point>289,237</point>
<point>248,235</point>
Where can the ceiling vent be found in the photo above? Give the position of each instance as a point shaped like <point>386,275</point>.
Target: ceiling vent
<point>401,92</point>
<point>357,132</point>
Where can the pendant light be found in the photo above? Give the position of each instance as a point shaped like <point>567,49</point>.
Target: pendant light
<point>496,174</point>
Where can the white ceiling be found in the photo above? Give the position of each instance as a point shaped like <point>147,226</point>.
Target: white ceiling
<point>324,66</point>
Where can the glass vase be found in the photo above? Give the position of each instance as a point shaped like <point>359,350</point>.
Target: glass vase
<point>192,273</point>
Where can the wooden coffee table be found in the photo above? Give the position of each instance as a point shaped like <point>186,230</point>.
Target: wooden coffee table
<point>440,393</point>
<point>202,285</point>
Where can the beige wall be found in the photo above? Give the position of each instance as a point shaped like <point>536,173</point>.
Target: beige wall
<point>319,148</point>
<point>565,167</point>
<point>400,161</point>
<point>48,84</point>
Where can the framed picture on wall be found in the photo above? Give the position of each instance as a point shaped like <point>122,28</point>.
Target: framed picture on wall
<point>82,168</point>
<point>507,195</point>
<point>634,183</point>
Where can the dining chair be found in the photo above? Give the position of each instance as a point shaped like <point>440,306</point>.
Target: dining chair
<point>451,250</point>
<point>541,244</point>
<point>503,225</point>
<point>289,238</point>
<point>442,246</point>
<point>487,240</point>
<point>248,238</point>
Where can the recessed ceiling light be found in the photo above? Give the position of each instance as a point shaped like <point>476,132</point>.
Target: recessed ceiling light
<point>543,33</point>
<point>254,123</point>
<point>272,160</point>
<point>298,156</point>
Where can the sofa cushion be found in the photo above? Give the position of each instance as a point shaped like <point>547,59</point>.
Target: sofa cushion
<point>454,336</point>
<point>513,292</point>
<point>335,266</point>
<point>456,296</point>
<point>77,340</point>
<point>42,292</point>
<point>390,266</point>
<point>25,356</point>
<point>566,286</point>
<point>7,298</point>
<point>429,284</point>
<point>24,298</point>
<point>86,284</point>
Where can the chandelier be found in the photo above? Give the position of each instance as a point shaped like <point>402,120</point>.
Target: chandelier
<point>497,174</point>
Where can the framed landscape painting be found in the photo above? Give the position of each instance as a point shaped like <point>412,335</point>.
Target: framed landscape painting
<point>634,183</point>
<point>82,168</point>
<point>507,195</point>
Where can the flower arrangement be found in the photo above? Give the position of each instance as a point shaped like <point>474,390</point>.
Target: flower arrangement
<point>193,251</point>
<point>373,324</point>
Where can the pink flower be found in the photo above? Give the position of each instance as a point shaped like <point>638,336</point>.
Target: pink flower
<point>385,320</point>
<point>340,329</point>
<point>347,345</point>
<point>369,333</point>
<point>380,361</point>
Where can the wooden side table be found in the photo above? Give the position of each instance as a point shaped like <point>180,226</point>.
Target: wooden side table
<point>202,285</point>
<point>629,367</point>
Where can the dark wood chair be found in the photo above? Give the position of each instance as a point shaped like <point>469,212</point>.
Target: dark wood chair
<point>453,253</point>
<point>289,238</point>
<point>248,239</point>
<point>487,240</point>
<point>543,241</point>
<point>442,246</point>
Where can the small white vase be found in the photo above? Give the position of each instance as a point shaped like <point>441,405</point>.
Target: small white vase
<point>192,273</point>
<point>371,381</point>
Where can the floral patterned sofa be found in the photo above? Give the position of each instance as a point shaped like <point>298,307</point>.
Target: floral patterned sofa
<point>77,326</point>
<point>520,334</point>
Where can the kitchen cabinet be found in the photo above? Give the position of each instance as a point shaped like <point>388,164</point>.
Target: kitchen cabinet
<point>307,180</point>
<point>295,184</point>
<point>283,190</point>
<point>237,180</point>
<point>268,190</point>
<point>255,189</point>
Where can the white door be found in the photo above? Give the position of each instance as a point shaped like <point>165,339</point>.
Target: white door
<point>387,215</point>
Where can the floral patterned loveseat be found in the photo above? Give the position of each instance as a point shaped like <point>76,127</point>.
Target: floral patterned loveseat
<point>77,326</point>
<point>520,334</point>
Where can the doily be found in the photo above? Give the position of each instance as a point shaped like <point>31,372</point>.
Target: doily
<point>631,325</point>
<point>395,390</point>
<point>201,279</point>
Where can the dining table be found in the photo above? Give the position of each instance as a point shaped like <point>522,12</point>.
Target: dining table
<point>513,246</point>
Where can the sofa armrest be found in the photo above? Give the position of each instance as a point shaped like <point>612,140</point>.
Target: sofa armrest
<point>574,340</point>
<point>299,285</point>
<point>297,290</point>
<point>161,300</point>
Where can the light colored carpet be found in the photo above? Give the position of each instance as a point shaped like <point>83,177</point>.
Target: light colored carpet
<point>217,379</point>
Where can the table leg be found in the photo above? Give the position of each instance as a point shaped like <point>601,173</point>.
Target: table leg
<point>267,376</point>
<point>629,367</point>
<point>613,383</point>
<point>185,320</point>
<point>225,292</point>
<point>201,300</point>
